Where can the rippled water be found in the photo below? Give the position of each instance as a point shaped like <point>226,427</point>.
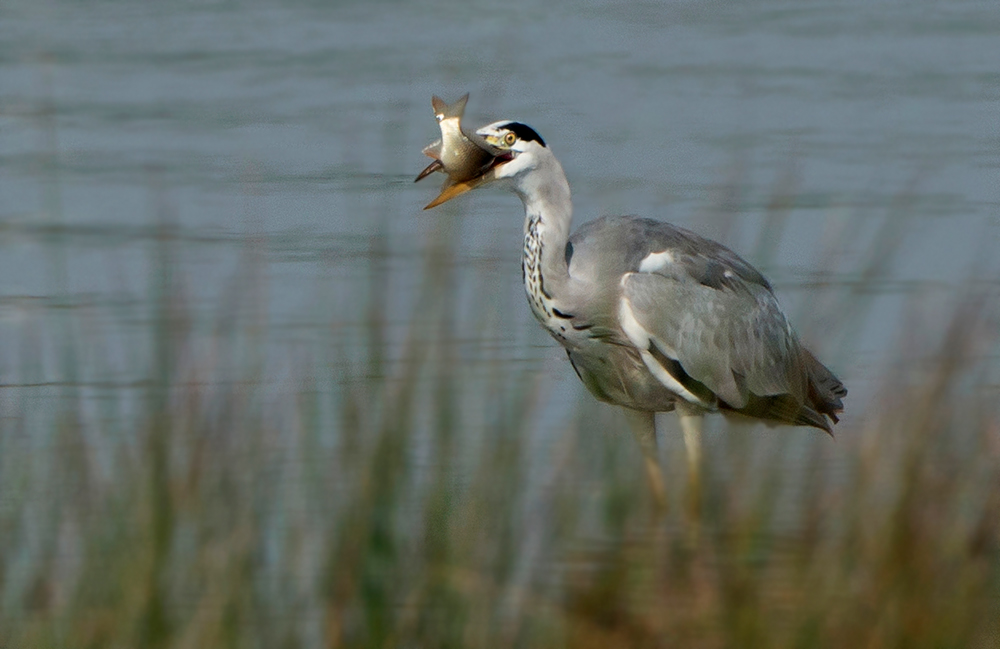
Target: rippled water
<point>300,126</point>
<point>257,160</point>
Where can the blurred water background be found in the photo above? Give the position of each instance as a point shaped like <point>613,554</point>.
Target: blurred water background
<point>213,255</point>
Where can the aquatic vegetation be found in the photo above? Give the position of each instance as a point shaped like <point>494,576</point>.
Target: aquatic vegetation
<point>405,499</point>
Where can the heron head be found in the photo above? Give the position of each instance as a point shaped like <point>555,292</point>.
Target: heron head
<point>521,150</point>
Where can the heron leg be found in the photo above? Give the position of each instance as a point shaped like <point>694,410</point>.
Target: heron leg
<point>643,426</point>
<point>692,419</point>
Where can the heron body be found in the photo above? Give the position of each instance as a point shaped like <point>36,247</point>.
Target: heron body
<point>680,317</point>
<point>654,317</point>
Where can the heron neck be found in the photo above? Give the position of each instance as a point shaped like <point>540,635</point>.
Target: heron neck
<point>548,210</point>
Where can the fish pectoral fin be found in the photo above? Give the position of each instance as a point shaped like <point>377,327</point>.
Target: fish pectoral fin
<point>429,169</point>
<point>433,150</point>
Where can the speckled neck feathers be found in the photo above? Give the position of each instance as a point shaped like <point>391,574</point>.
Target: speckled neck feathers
<point>548,213</point>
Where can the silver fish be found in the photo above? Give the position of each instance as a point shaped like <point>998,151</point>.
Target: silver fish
<point>463,156</point>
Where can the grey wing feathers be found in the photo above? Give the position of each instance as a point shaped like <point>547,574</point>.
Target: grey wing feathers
<point>826,392</point>
<point>638,237</point>
<point>711,321</point>
<point>735,342</point>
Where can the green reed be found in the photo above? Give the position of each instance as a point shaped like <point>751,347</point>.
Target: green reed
<point>408,499</point>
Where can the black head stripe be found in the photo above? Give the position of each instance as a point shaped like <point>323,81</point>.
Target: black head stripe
<point>524,132</point>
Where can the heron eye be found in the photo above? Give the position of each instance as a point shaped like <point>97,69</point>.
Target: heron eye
<point>509,139</point>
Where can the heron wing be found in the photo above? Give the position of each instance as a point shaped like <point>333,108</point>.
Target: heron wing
<point>705,322</point>
<point>712,330</point>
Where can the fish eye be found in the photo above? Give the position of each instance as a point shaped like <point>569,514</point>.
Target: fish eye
<point>509,139</point>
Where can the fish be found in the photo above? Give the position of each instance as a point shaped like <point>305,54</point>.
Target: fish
<point>461,155</point>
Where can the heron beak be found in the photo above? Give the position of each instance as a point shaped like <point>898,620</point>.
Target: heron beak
<point>451,189</point>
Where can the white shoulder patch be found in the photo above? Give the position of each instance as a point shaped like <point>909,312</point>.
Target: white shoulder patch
<point>654,261</point>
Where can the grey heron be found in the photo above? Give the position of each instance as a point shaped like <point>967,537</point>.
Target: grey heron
<point>654,317</point>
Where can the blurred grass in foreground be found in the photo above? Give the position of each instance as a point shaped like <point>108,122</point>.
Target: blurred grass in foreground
<point>378,502</point>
